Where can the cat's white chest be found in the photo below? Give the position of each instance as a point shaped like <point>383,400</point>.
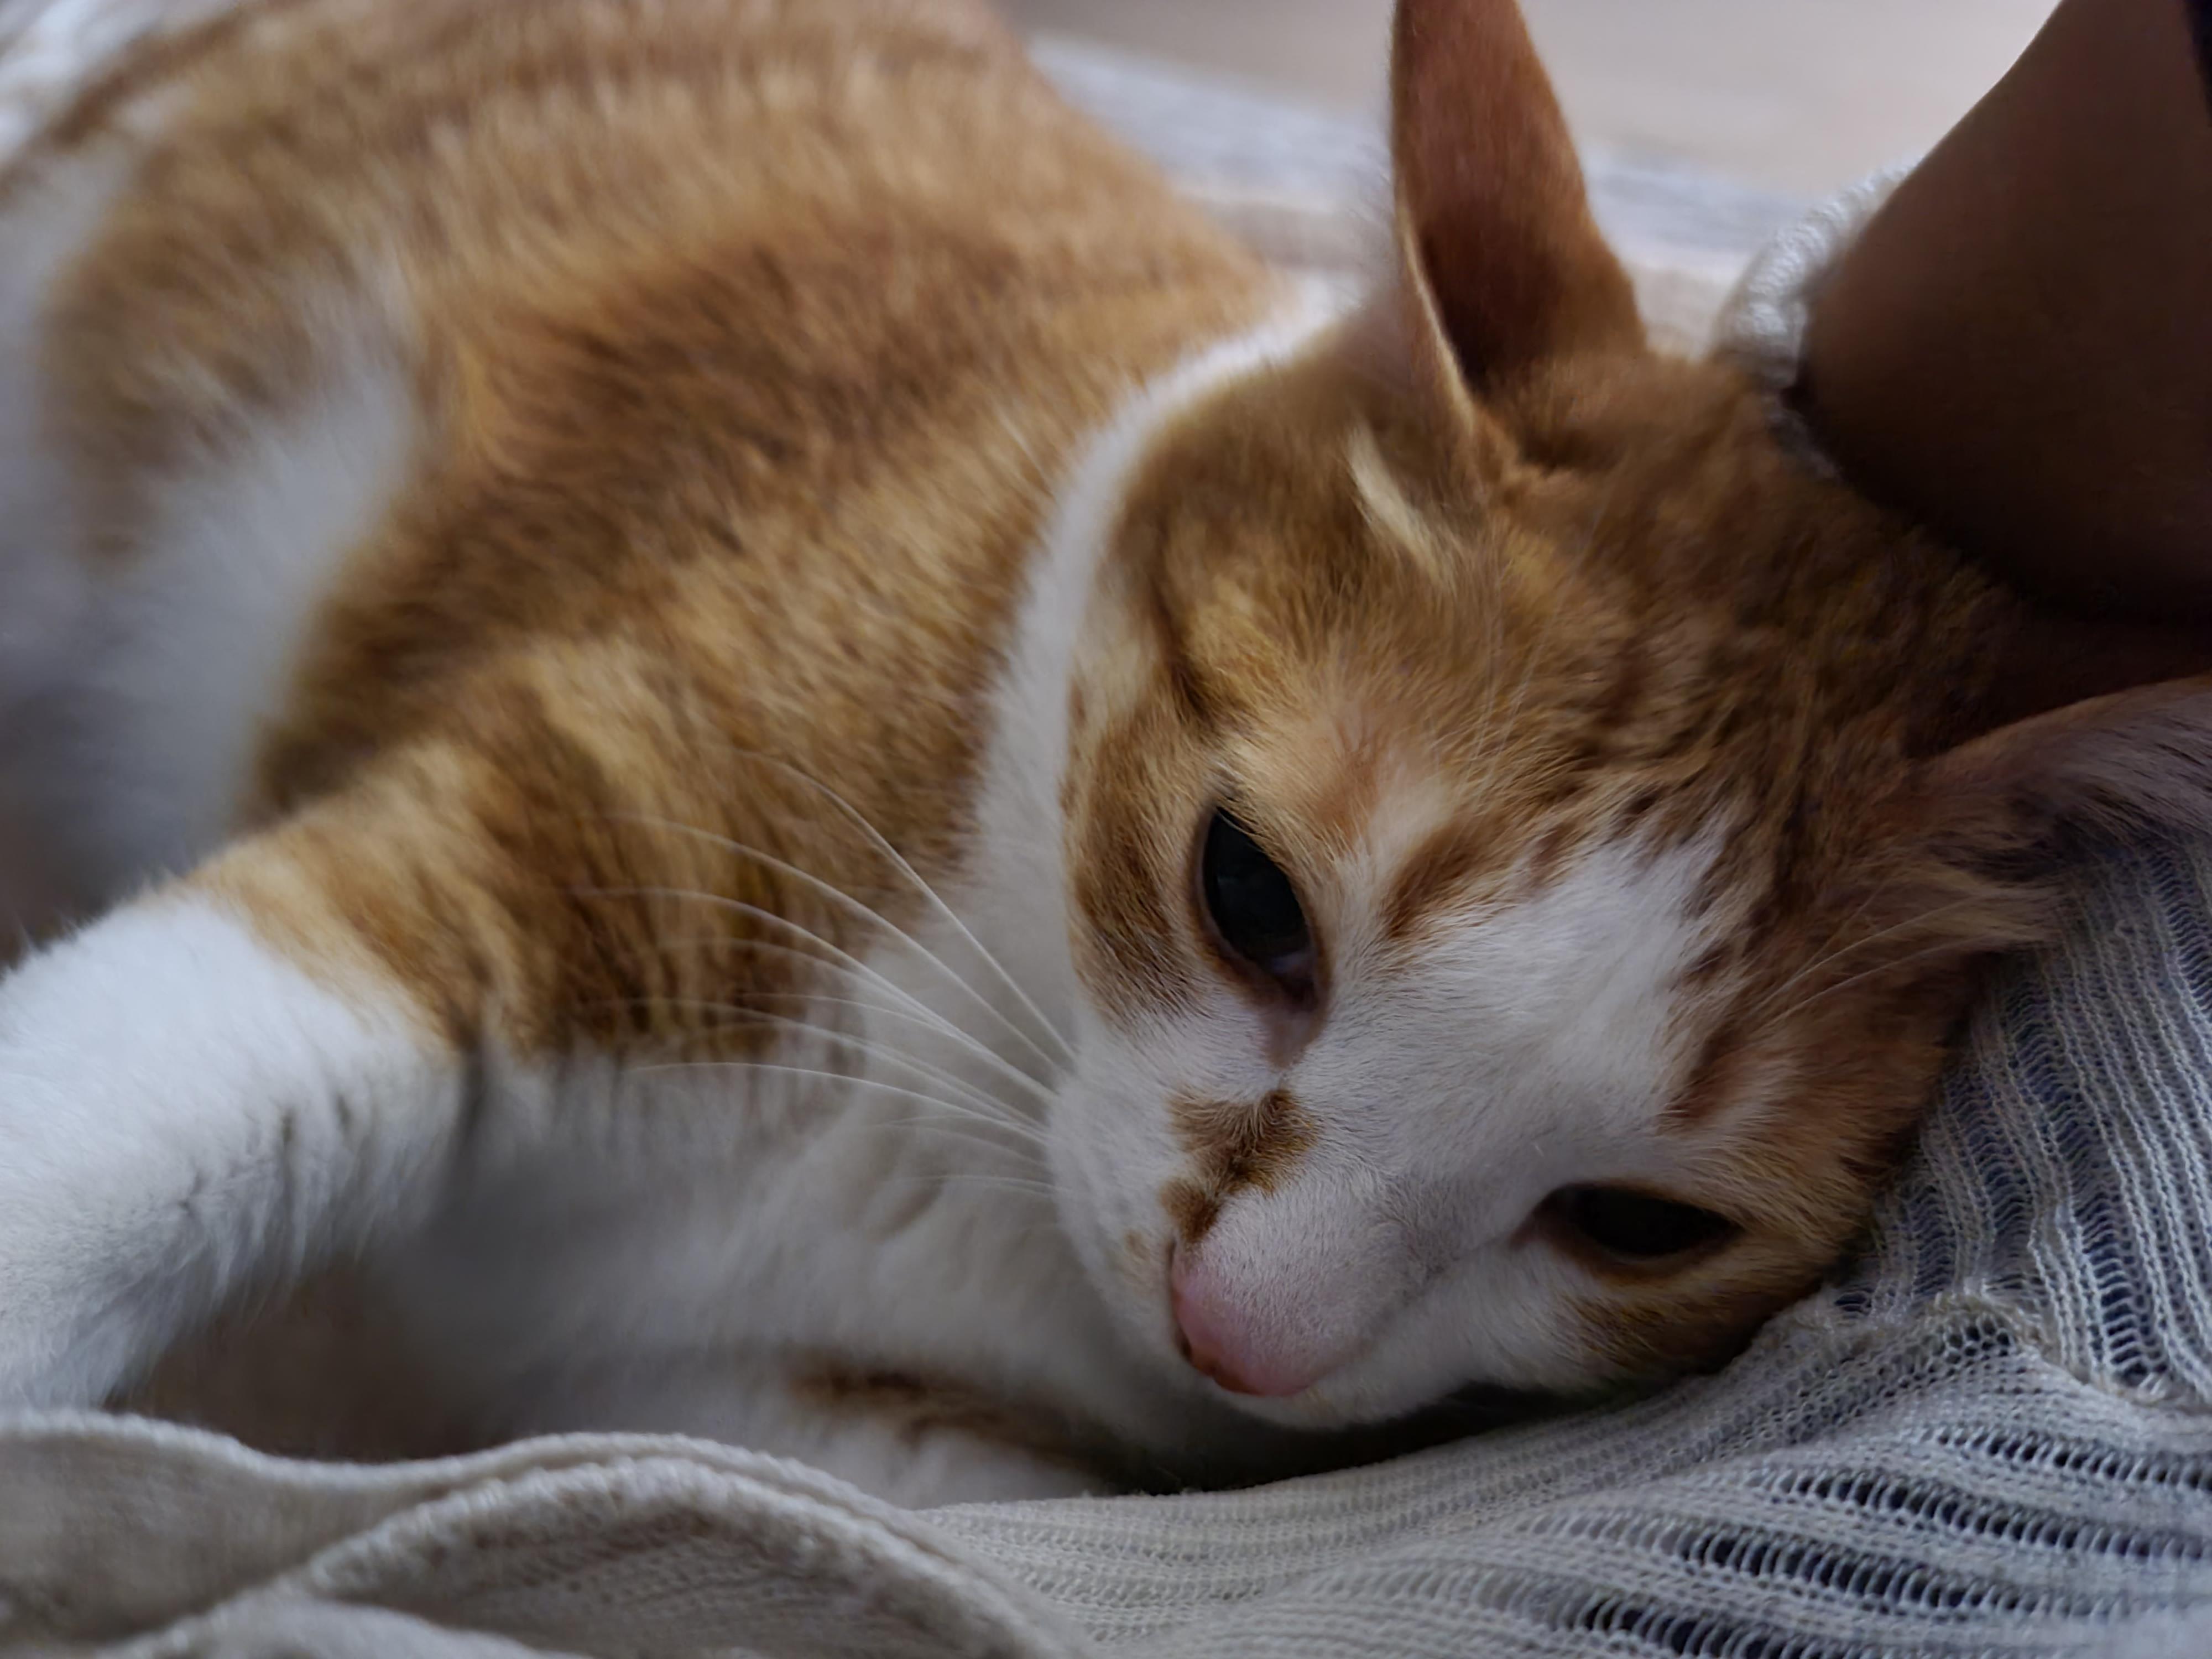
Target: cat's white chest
<point>868,1199</point>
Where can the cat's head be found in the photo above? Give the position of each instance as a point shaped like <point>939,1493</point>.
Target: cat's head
<point>1528,837</point>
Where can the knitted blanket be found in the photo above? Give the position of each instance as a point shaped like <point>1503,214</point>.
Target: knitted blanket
<point>1989,1436</point>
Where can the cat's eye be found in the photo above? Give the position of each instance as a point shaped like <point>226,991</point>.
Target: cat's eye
<point>1633,1226</point>
<point>1254,908</point>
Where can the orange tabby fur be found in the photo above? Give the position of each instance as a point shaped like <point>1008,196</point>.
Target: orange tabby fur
<point>747,344</point>
<point>627,487</point>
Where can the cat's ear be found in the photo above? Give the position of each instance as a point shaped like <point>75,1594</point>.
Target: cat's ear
<point>1504,265</point>
<point>2121,760</point>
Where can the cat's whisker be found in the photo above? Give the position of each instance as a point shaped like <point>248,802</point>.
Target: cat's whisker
<point>953,1109</point>
<point>851,1041</point>
<point>915,1122</point>
<point>975,1135</point>
<point>926,890</point>
<point>1776,993</point>
<point>1829,958</point>
<point>839,956</point>
<point>1848,921</point>
<point>968,1178</point>
<point>928,1018</point>
<point>1021,1080</point>
<point>1845,983</point>
<point>1032,1157</point>
<point>972,1136</point>
<point>1012,430</point>
<point>922,885</point>
<point>837,895</point>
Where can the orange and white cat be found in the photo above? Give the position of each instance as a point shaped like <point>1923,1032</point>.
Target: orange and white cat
<point>803,764</point>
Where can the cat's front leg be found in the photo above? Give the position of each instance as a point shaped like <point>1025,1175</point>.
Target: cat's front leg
<point>197,1098</point>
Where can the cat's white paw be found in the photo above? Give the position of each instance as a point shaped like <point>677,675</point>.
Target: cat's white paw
<point>85,1285</point>
<point>56,1362</point>
<point>183,1115</point>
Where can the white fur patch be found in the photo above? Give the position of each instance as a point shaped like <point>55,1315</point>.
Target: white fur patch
<point>1546,1018</point>
<point>139,698</point>
<point>197,639</point>
<point>133,690</point>
<point>185,1114</point>
<point>1528,1044</point>
<point>46,227</point>
<point>51,49</point>
<point>1531,1045</point>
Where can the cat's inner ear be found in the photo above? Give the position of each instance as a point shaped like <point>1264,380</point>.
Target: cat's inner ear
<point>1504,265</point>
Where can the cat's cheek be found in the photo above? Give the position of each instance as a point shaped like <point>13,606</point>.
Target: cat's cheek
<point>1513,1317</point>
<point>1107,1174</point>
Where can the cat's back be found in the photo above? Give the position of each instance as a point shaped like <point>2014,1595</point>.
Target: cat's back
<point>429,331</point>
<point>236,188</point>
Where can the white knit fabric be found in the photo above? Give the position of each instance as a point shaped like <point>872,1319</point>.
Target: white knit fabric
<point>1992,1435</point>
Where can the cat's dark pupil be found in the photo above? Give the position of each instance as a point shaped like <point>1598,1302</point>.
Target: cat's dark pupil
<point>1637,1226</point>
<point>1252,902</point>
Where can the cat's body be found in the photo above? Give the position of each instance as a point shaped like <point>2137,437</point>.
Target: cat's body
<point>689,578</point>
<point>604,458</point>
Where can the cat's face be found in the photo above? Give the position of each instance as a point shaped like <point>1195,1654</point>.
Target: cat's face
<point>1511,944</point>
<point>1519,909</point>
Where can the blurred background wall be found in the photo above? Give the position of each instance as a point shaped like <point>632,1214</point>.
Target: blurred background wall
<point>1796,95</point>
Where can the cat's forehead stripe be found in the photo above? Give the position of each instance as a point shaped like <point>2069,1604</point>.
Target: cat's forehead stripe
<point>1231,1145</point>
<point>1390,511</point>
<point>1432,878</point>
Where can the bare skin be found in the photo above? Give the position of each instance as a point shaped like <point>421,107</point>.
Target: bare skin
<point>2019,351</point>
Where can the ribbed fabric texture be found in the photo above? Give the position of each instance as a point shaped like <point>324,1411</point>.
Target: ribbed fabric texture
<point>1988,1437</point>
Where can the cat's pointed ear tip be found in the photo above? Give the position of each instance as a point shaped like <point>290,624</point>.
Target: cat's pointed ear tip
<point>1493,217</point>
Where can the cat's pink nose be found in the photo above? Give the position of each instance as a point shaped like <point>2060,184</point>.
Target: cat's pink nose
<point>1220,1340</point>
